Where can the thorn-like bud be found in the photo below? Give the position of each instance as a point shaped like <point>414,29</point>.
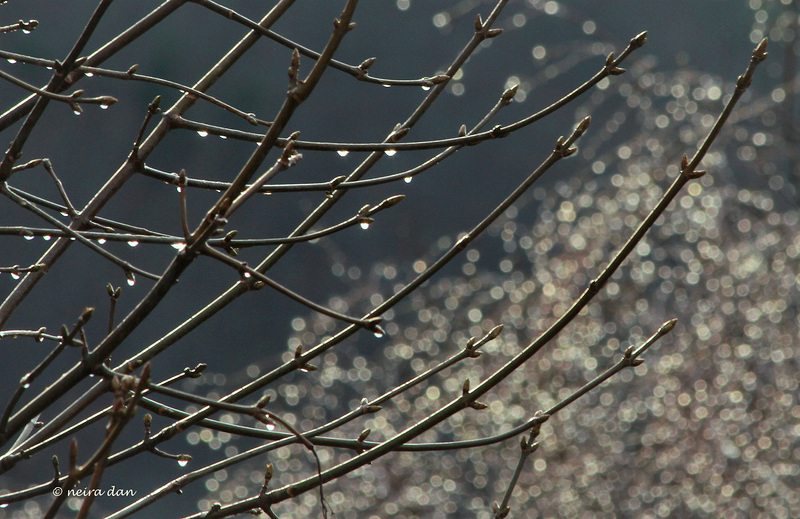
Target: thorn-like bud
<point>639,40</point>
<point>131,71</point>
<point>478,23</point>
<point>196,371</point>
<point>509,94</point>
<point>294,68</point>
<point>263,401</point>
<point>367,63</point>
<point>462,131</point>
<point>667,326</point>
<point>389,202</point>
<point>760,53</point>
<point>479,406</point>
<point>398,133</point>
<point>569,151</point>
<point>637,362</point>
<point>616,71</point>
<point>629,352</point>
<point>154,104</point>
<point>491,33</point>
<point>364,434</point>
<point>439,78</point>
<point>684,162</point>
<point>494,333</point>
<point>583,126</point>
<point>269,470</point>
<point>465,387</point>
<point>541,416</point>
<point>298,351</point>
<point>610,59</point>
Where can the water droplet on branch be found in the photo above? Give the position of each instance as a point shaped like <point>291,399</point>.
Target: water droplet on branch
<point>131,278</point>
<point>202,133</point>
<point>133,243</point>
<point>390,153</point>
<point>342,153</point>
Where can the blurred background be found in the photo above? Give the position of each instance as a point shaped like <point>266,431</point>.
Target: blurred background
<point>709,426</point>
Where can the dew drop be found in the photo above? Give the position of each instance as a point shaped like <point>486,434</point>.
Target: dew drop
<point>104,107</point>
<point>47,237</point>
<point>378,333</point>
<point>183,462</point>
<point>202,133</point>
<point>101,241</point>
<point>407,180</point>
<point>26,385</point>
<point>426,87</point>
<point>3,505</point>
<point>390,153</point>
<point>15,275</point>
<point>270,426</point>
<point>133,243</point>
<point>28,237</point>
<point>178,245</point>
<point>342,153</point>
<point>247,275</point>
<point>386,85</point>
<point>77,111</point>
<point>12,61</point>
<point>26,31</point>
<point>89,74</point>
<point>131,278</point>
<point>364,225</point>
<point>223,137</point>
